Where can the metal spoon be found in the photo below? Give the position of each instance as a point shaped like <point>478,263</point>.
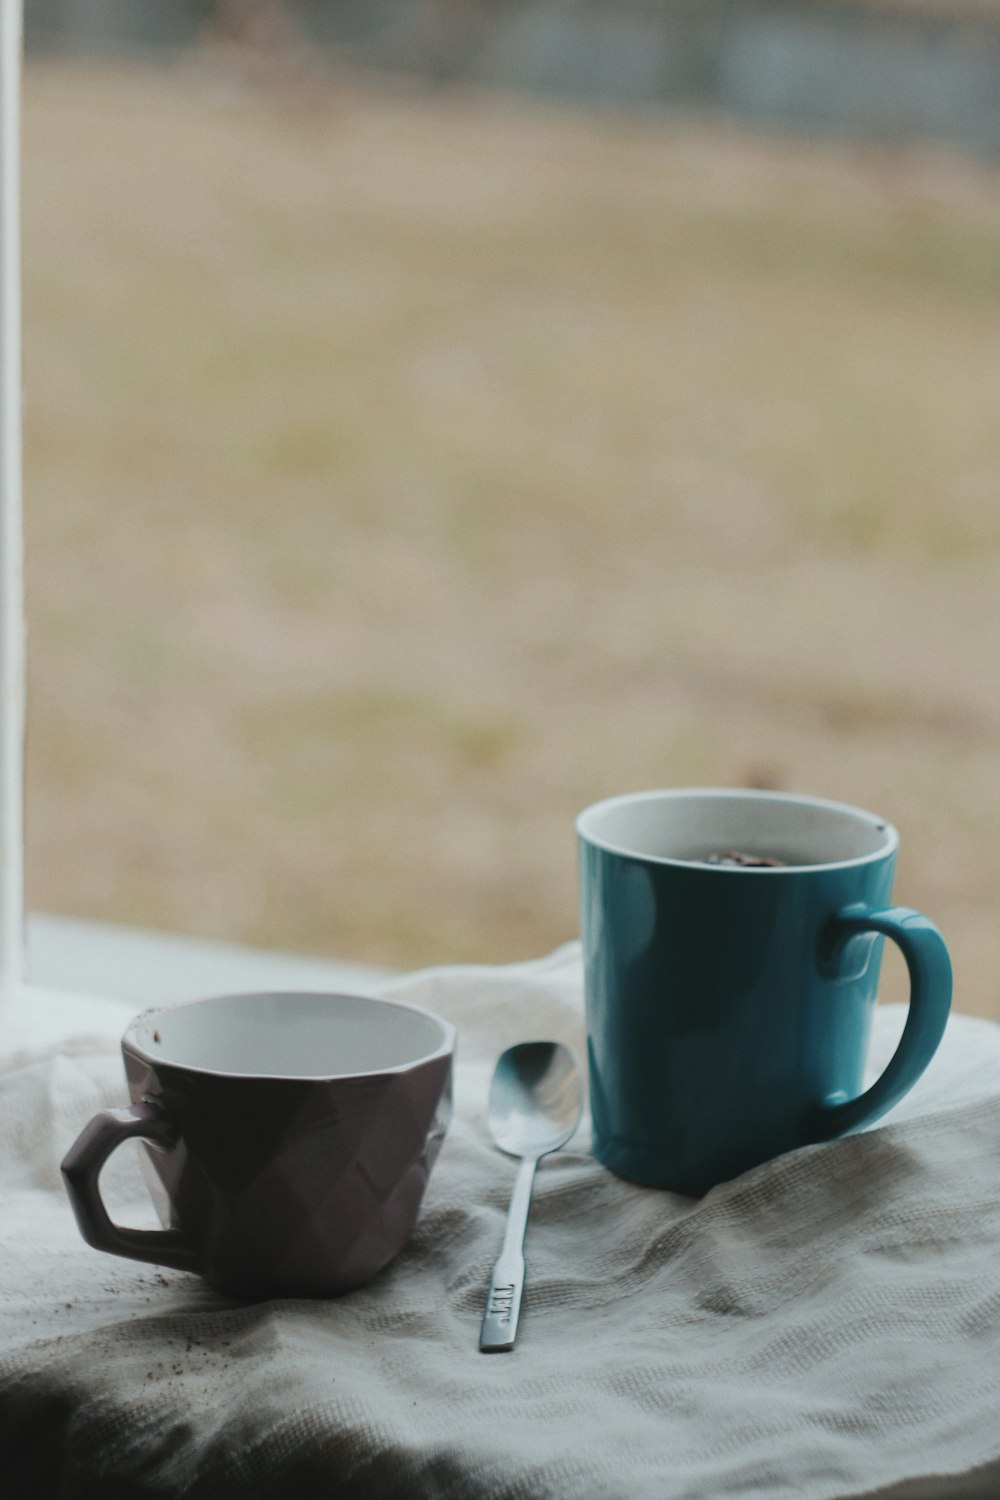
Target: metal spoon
<point>536,1099</point>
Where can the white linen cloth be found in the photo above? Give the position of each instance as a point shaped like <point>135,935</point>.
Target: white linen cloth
<point>826,1326</point>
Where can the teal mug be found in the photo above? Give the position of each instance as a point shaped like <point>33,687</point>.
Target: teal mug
<point>732,943</point>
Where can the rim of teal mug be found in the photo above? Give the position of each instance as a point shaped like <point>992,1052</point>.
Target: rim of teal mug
<point>130,1038</point>
<point>737,794</point>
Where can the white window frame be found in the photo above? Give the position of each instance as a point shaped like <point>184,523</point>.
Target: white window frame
<point>31,1015</point>
<point>12,633</point>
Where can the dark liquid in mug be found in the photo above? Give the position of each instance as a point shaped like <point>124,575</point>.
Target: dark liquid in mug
<point>737,859</point>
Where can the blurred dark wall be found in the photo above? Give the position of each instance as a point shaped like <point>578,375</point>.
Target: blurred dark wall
<point>109,25</point>
<point>835,66</point>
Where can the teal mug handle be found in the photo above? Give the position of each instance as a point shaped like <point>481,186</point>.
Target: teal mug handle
<point>923,948</point>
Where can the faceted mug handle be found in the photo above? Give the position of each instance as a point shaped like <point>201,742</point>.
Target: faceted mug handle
<point>81,1171</point>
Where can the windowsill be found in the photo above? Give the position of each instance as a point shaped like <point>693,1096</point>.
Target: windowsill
<point>89,978</point>
<point>157,968</point>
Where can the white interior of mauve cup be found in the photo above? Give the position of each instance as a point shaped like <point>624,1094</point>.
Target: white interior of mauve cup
<point>289,1035</point>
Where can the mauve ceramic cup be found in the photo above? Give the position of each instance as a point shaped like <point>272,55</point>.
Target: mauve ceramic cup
<point>288,1138</point>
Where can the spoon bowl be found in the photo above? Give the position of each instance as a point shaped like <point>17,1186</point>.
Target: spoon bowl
<point>536,1099</point>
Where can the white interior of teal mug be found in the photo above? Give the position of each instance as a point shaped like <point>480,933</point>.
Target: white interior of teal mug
<point>689,825</point>
<point>290,1035</point>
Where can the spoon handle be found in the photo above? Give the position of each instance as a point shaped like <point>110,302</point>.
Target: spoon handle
<point>503,1300</point>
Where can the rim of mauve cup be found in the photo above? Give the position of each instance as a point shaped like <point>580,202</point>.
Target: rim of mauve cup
<point>159,1060</point>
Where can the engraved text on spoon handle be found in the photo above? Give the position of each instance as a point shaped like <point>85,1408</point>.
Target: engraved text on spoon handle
<point>503,1299</point>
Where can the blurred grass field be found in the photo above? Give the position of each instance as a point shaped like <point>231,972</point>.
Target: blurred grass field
<point>406,470</point>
